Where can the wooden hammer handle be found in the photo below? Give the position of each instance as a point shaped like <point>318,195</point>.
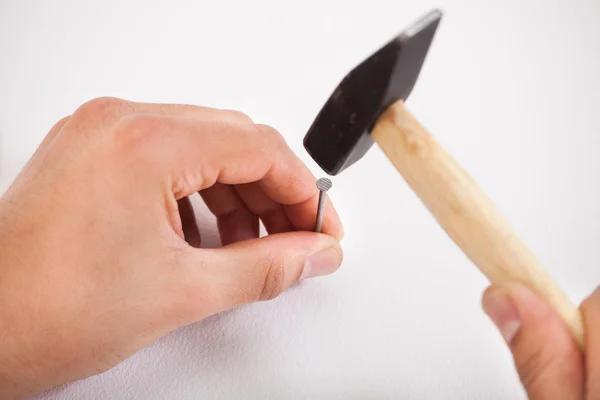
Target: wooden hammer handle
<point>466,214</point>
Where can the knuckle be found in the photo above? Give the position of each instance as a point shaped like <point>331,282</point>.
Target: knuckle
<point>57,127</point>
<point>131,123</point>
<point>100,105</point>
<point>133,141</point>
<point>271,134</point>
<point>285,162</point>
<point>133,129</point>
<point>273,145</point>
<point>532,367</point>
<point>61,122</point>
<point>273,283</point>
<point>238,117</point>
<point>99,113</point>
<point>539,365</point>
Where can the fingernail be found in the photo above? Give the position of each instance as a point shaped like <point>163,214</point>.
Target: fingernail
<point>321,263</point>
<point>502,310</point>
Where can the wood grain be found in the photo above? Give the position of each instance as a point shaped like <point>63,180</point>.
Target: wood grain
<point>465,213</point>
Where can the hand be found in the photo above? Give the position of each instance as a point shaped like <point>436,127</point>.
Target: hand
<point>547,359</point>
<point>96,235</point>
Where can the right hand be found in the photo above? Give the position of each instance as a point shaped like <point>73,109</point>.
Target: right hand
<point>549,363</point>
<point>99,244</point>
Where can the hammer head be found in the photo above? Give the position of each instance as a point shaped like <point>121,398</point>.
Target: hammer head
<point>340,135</point>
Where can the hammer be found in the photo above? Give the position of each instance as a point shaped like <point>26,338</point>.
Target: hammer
<point>368,107</point>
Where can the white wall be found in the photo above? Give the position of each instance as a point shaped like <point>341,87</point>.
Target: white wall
<point>511,88</point>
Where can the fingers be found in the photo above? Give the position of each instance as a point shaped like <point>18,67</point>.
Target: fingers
<point>234,220</point>
<point>116,108</point>
<point>288,182</point>
<point>302,216</point>
<point>55,130</point>
<point>259,269</point>
<point>269,211</point>
<point>191,111</point>
<point>200,146</point>
<point>100,113</point>
<point>591,316</point>
<point>547,359</point>
<point>195,154</point>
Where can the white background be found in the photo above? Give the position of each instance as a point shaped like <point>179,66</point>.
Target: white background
<point>510,88</point>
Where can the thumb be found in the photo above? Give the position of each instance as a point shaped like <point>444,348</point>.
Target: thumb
<point>261,269</point>
<point>547,359</point>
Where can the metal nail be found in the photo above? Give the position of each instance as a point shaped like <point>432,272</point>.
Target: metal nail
<point>323,184</point>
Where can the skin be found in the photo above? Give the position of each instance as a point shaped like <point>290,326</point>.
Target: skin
<point>99,249</point>
<point>100,252</point>
<point>547,359</point>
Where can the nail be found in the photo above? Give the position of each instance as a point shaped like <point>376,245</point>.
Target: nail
<point>502,310</point>
<point>323,184</point>
<point>321,263</point>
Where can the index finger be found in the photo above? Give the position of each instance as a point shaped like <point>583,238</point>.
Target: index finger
<point>294,186</point>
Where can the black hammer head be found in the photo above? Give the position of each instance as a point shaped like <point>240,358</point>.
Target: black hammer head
<point>340,135</point>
